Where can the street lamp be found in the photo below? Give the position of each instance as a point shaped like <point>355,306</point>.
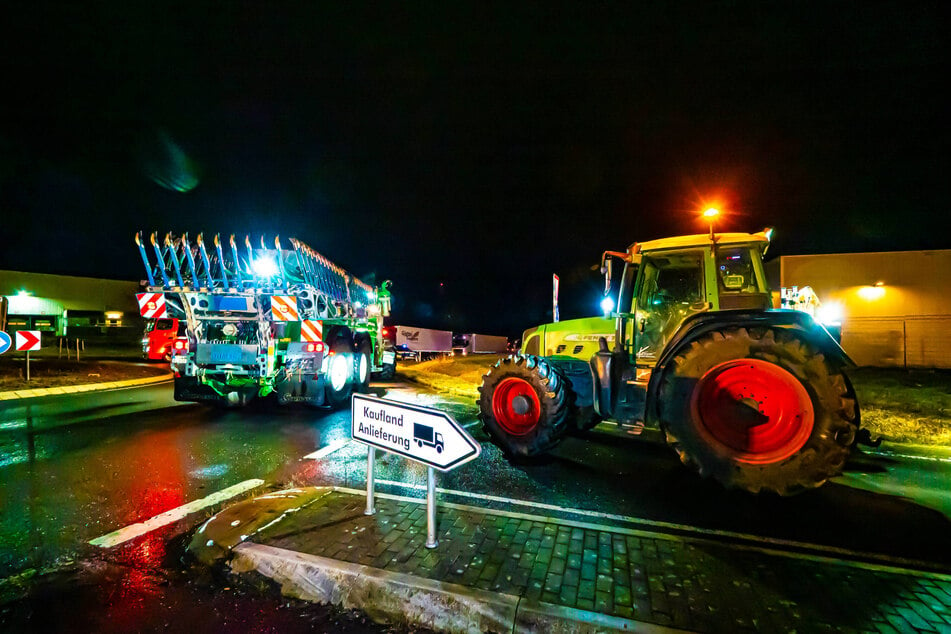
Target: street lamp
<point>711,215</point>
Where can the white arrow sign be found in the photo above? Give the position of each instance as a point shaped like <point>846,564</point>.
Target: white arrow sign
<point>422,434</point>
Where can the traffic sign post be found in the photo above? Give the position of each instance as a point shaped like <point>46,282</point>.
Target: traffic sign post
<point>423,434</point>
<point>27,340</point>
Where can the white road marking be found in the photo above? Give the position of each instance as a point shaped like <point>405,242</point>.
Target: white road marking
<point>323,452</point>
<point>755,539</point>
<point>134,530</point>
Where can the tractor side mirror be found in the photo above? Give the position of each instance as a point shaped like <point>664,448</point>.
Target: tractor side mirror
<point>606,272</point>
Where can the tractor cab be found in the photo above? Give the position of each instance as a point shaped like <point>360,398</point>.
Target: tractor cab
<point>679,277</point>
<point>664,284</point>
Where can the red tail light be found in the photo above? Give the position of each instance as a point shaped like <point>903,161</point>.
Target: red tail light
<point>314,347</point>
<point>181,345</point>
<point>386,332</point>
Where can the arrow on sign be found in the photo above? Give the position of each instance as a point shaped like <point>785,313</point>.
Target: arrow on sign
<point>422,434</point>
<point>4,342</point>
<point>28,340</point>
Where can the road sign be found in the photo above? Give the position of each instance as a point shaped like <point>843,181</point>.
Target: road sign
<point>312,330</point>
<point>4,342</point>
<point>28,340</point>
<point>422,434</point>
<point>152,305</point>
<point>284,308</point>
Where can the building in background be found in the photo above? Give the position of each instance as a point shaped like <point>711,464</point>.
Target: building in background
<point>70,306</point>
<point>894,307</point>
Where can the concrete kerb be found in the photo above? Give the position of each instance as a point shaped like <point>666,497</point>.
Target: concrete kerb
<point>403,598</point>
<point>88,387</point>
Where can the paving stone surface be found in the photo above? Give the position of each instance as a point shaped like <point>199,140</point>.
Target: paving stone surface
<point>693,584</point>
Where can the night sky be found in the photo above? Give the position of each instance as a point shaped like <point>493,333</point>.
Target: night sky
<point>467,152</point>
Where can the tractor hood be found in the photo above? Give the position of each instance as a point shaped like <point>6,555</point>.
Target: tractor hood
<point>574,338</point>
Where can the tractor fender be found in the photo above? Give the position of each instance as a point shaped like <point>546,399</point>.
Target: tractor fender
<point>700,324</point>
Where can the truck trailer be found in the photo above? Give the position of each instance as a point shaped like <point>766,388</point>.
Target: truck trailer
<point>474,343</point>
<point>423,343</point>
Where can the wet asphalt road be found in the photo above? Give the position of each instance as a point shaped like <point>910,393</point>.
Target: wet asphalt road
<point>73,468</point>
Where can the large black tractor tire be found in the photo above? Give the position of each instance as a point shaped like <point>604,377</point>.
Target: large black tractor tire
<point>362,363</point>
<point>758,410</point>
<point>338,390</point>
<point>525,405</point>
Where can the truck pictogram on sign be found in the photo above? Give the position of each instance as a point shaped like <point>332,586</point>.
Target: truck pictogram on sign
<point>424,435</point>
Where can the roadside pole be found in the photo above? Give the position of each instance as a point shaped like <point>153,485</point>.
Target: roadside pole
<point>27,340</point>
<point>371,479</point>
<point>431,541</point>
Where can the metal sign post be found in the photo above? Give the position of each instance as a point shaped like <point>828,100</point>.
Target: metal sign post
<point>371,479</point>
<point>27,340</point>
<point>423,434</point>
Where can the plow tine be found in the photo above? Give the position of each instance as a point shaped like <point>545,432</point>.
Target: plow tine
<point>145,259</point>
<point>190,259</point>
<point>221,262</point>
<point>161,260</point>
<point>170,245</point>
<point>204,259</point>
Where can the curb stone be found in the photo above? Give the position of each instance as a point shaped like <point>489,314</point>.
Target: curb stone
<point>88,387</point>
<point>403,598</point>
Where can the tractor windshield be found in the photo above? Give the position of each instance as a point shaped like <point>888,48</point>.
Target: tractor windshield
<point>671,288</point>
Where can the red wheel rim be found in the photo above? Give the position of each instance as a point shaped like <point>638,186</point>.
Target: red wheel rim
<point>756,409</point>
<point>515,406</point>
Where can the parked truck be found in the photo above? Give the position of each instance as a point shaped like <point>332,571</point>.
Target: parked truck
<point>755,398</point>
<point>158,340</point>
<point>265,321</point>
<point>423,343</point>
<point>474,343</point>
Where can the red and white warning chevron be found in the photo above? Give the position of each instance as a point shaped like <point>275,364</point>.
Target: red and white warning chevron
<point>284,308</point>
<point>312,331</point>
<point>152,305</point>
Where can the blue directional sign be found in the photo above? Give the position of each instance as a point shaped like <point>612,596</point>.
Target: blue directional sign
<point>4,342</point>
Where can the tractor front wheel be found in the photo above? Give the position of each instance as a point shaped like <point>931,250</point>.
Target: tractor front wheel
<point>524,405</point>
<point>759,410</point>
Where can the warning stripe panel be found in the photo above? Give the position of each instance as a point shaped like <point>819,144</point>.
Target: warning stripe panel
<point>284,308</point>
<point>312,331</point>
<point>152,305</point>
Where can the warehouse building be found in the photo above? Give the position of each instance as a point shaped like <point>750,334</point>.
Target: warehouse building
<point>70,306</point>
<point>894,307</point>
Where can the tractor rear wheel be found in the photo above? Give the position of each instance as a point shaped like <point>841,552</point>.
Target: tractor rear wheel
<point>524,405</point>
<point>758,409</point>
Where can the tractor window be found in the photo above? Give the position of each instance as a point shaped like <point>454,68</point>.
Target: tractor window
<point>737,281</point>
<point>735,273</point>
<point>671,289</point>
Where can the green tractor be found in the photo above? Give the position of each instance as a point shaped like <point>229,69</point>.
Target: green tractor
<point>752,397</point>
